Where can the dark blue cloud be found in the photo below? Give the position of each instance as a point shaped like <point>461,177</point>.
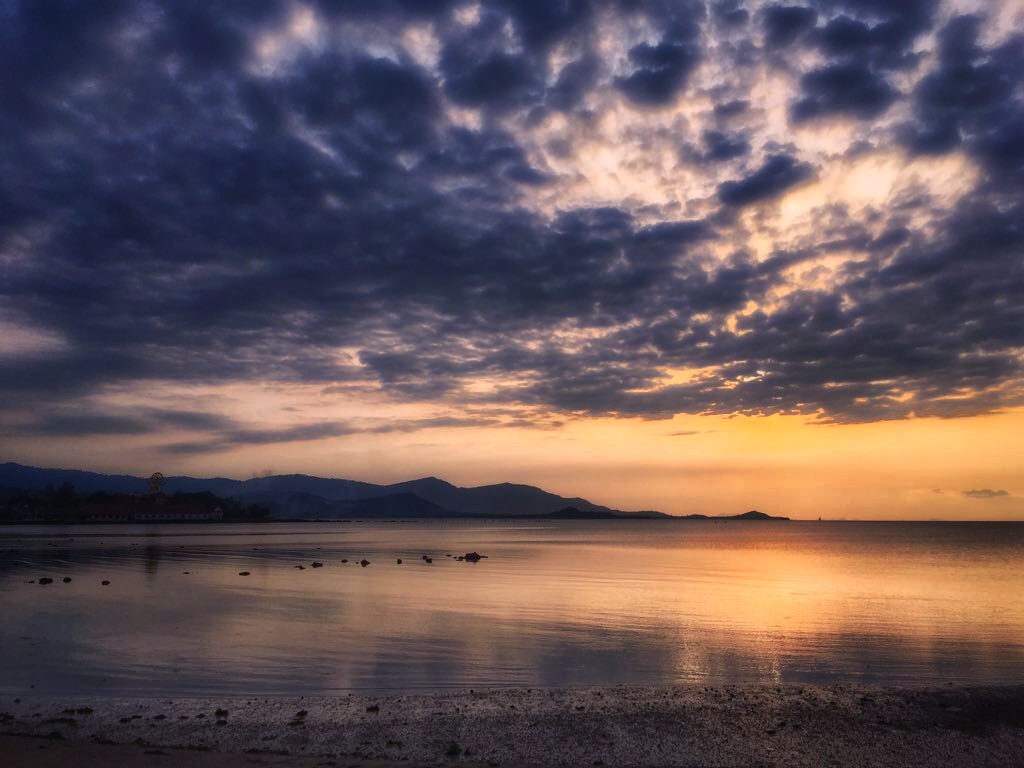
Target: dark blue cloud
<point>843,89</point>
<point>783,24</point>
<point>730,13</point>
<point>542,24</point>
<point>85,421</point>
<point>383,8</point>
<point>776,175</point>
<point>661,71</point>
<point>731,108</point>
<point>574,80</point>
<point>862,43</point>
<point>843,36</point>
<point>972,97</point>
<point>498,78</point>
<point>173,214</point>
<point>721,146</point>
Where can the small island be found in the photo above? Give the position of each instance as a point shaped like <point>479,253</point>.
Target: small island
<point>752,515</point>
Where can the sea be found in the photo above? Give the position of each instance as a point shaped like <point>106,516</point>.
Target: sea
<point>287,608</point>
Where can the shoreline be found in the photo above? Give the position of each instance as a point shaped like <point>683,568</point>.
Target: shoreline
<point>736,725</point>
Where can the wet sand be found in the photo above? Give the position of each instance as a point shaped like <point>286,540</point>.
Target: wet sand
<point>793,725</point>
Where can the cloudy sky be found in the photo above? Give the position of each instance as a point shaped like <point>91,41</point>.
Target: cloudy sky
<point>698,257</point>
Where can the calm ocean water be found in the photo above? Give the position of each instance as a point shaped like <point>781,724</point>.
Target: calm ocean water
<point>554,604</point>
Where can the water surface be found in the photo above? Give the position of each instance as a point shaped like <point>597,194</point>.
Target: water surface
<point>555,603</point>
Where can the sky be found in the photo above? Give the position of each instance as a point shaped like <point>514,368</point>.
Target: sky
<point>685,256</point>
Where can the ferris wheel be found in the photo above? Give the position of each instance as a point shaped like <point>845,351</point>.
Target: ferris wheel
<point>156,482</point>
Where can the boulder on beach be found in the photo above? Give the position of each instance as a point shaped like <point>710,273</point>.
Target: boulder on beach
<point>45,580</point>
<point>472,557</point>
<point>364,562</point>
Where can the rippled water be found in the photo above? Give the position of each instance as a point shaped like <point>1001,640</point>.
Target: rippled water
<point>554,604</point>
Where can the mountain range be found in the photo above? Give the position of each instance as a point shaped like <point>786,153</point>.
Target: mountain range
<point>308,497</point>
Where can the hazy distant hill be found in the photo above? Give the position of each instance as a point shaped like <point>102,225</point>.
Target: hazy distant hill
<point>751,515</point>
<point>304,496</point>
<point>501,499</point>
<point>36,479</point>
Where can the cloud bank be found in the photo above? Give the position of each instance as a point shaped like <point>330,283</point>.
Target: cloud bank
<point>985,493</point>
<point>580,208</point>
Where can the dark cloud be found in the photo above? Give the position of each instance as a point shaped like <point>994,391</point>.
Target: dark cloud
<point>237,437</point>
<point>843,36</point>
<point>240,437</point>
<point>776,175</point>
<point>542,24</point>
<point>721,146</point>
<point>843,89</point>
<point>383,8</point>
<point>194,420</point>
<point>783,24</point>
<point>660,70</point>
<point>86,422</point>
<point>173,212</point>
<point>894,27</point>
<point>660,73</point>
<point>862,44</point>
<point>498,78</point>
<point>880,35</point>
<point>732,108</point>
<point>985,493</point>
<point>730,13</point>
<point>971,97</point>
<point>77,425</point>
<point>574,81</point>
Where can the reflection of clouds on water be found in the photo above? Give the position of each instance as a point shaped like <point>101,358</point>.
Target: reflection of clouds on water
<point>608,605</point>
<point>187,636</point>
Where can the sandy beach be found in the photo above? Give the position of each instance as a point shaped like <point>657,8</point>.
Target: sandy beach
<point>793,725</point>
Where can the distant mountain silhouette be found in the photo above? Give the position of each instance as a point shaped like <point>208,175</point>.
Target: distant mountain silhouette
<point>501,499</point>
<point>755,515</point>
<point>751,515</point>
<point>36,479</point>
<point>308,497</point>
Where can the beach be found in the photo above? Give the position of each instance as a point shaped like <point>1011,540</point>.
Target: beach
<point>785,725</point>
